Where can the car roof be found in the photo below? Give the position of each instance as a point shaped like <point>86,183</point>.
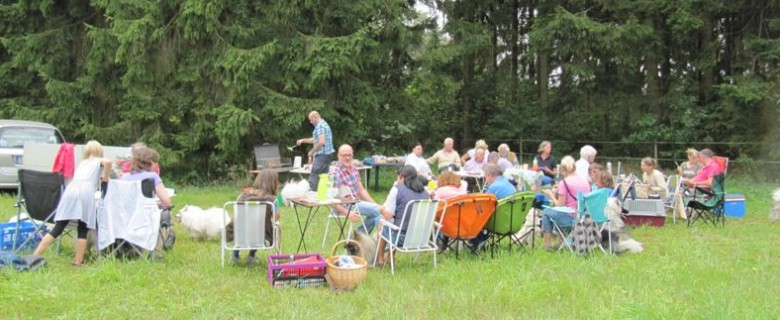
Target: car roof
<point>24,123</point>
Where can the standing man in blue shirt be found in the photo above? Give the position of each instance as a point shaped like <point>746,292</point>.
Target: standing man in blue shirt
<point>322,151</point>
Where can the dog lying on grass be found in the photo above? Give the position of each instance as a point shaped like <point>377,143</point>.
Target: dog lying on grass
<point>202,224</point>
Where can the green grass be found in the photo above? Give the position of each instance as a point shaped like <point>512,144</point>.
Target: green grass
<point>699,272</point>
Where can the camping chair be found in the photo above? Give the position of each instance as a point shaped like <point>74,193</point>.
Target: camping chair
<point>249,218</point>
<point>673,195</point>
<point>723,163</point>
<point>128,218</point>
<point>509,218</point>
<point>594,204</point>
<point>465,216</point>
<point>708,205</point>
<point>39,194</point>
<point>421,231</point>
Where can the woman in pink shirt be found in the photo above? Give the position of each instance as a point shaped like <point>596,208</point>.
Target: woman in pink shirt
<point>566,196</point>
<point>448,186</point>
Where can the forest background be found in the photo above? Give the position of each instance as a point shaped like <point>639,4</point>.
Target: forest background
<point>204,81</point>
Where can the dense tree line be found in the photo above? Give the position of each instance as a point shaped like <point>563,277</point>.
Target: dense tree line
<point>203,81</point>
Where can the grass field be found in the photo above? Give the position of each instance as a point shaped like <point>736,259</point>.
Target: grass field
<point>699,272</point>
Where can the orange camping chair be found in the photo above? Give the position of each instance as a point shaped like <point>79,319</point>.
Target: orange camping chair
<point>465,216</point>
<point>723,162</point>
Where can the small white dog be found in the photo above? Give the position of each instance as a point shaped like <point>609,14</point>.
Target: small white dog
<point>202,224</point>
<point>774,215</point>
<point>294,189</point>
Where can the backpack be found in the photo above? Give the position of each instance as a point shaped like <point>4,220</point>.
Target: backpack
<point>585,235</point>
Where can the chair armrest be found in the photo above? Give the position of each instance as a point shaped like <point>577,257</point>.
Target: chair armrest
<point>391,225</point>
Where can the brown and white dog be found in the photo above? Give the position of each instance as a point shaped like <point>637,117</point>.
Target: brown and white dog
<point>622,241</point>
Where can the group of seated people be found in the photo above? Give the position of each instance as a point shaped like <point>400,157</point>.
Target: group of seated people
<point>77,203</point>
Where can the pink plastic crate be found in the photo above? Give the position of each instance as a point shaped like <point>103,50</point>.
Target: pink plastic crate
<point>296,270</point>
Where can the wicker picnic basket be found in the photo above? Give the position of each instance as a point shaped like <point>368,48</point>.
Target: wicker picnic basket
<point>346,278</point>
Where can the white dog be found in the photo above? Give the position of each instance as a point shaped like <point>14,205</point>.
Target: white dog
<point>621,239</point>
<point>203,224</point>
<point>774,215</point>
<point>294,189</point>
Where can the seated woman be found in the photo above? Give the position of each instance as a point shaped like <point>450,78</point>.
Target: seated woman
<point>264,188</point>
<point>604,181</point>
<point>78,201</point>
<point>145,160</point>
<point>472,152</point>
<point>566,195</point>
<point>449,185</point>
<point>690,168</point>
<point>652,177</point>
<point>547,162</point>
<point>594,171</point>
<point>408,187</point>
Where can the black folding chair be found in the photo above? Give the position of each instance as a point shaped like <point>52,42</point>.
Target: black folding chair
<point>39,194</point>
<point>707,205</point>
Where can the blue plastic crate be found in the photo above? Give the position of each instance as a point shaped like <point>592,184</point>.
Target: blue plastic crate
<point>26,231</point>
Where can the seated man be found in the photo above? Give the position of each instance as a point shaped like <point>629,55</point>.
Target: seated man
<point>478,162</point>
<point>346,176</point>
<point>703,178</point>
<point>499,186</point>
<point>446,159</point>
<point>495,158</point>
<point>417,160</point>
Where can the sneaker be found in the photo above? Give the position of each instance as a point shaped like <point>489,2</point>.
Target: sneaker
<point>250,260</point>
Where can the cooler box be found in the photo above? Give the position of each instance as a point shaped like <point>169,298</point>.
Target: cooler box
<point>644,212</point>
<point>26,233</point>
<point>734,205</point>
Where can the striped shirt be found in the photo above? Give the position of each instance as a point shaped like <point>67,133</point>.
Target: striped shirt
<point>346,177</point>
<point>323,128</point>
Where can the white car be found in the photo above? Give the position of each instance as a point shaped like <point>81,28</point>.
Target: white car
<point>13,135</point>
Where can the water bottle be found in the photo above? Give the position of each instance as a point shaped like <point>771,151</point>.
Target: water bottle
<point>323,187</point>
<point>609,167</point>
<point>536,165</point>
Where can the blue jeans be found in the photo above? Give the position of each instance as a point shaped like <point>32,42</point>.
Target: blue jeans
<point>320,165</point>
<point>392,235</point>
<point>371,216</point>
<point>561,218</point>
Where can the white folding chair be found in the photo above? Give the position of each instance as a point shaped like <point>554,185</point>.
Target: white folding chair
<point>249,219</point>
<point>128,215</point>
<point>333,214</point>
<point>421,232</point>
<point>673,195</point>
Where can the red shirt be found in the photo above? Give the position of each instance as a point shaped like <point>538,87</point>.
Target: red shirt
<point>710,170</point>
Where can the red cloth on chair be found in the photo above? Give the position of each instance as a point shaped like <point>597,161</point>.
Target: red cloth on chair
<point>64,161</point>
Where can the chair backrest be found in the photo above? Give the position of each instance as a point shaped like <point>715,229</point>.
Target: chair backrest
<point>594,204</point>
<point>465,216</point>
<point>249,223</point>
<point>723,163</point>
<point>125,213</point>
<point>41,192</point>
<point>268,156</point>
<point>421,215</point>
<point>510,213</point>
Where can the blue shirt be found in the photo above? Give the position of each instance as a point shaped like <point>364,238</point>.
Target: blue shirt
<point>501,188</point>
<point>323,128</point>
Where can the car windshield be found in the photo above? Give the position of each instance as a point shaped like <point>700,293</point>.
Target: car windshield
<point>16,137</point>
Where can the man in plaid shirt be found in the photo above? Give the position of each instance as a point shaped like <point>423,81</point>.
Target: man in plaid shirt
<point>322,149</point>
<point>346,177</point>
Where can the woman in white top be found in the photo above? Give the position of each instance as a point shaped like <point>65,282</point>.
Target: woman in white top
<point>78,201</point>
<point>653,178</point>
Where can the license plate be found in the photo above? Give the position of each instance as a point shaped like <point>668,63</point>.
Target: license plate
<point>17,160</point>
